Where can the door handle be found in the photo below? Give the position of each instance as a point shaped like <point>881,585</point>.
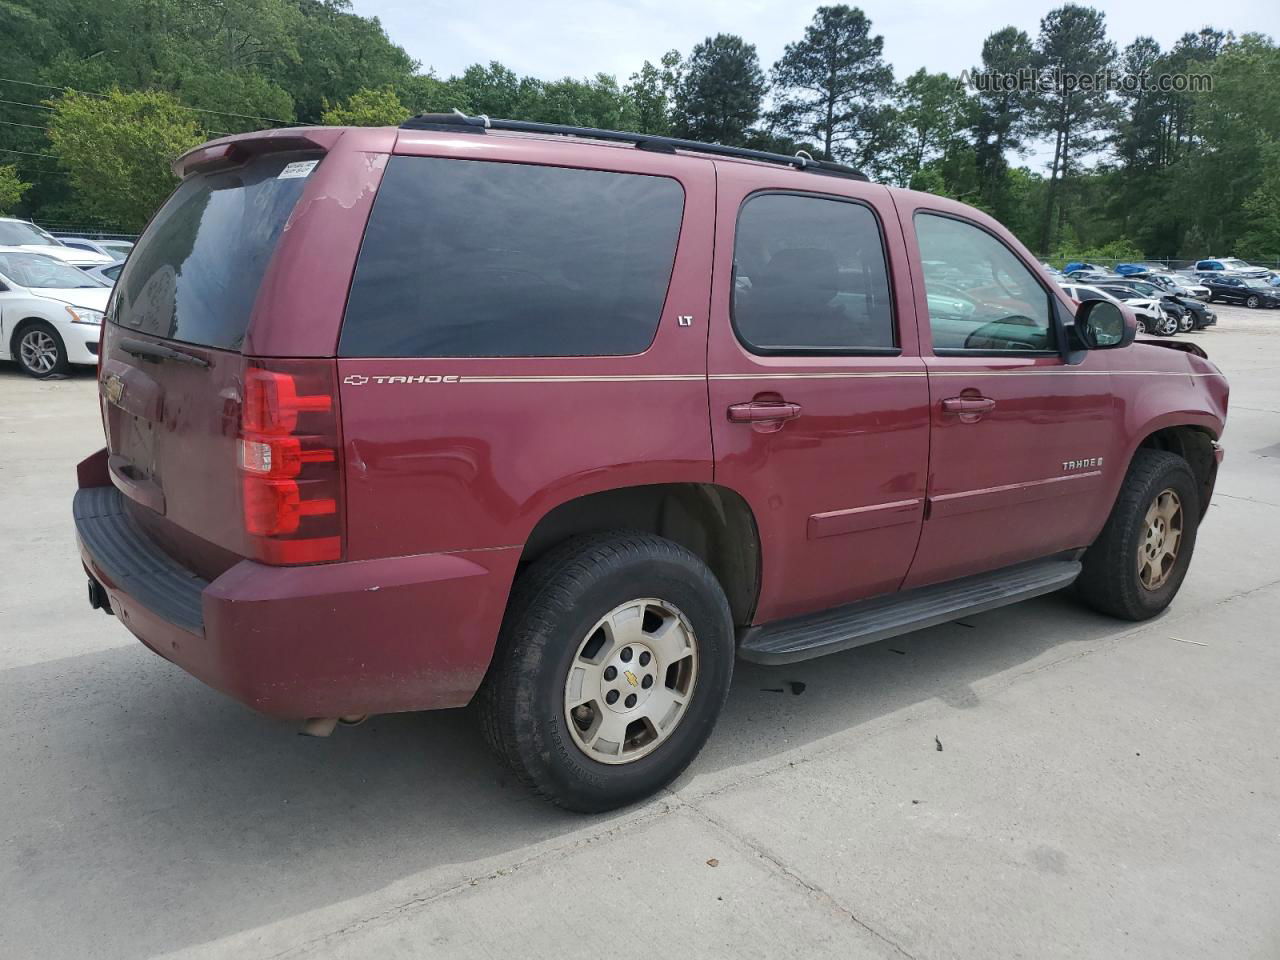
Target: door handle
<point>969,409</point>
<point>758,412</point>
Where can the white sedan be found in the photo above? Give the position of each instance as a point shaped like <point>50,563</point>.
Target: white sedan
<point>1150,314</point>
<point>50,312</point>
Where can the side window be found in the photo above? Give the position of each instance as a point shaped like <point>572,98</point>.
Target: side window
<point>809,276</point>
<point>467,258</point>
<point>981,297</point>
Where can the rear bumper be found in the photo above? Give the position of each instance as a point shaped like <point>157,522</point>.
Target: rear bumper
<point>374,636</point>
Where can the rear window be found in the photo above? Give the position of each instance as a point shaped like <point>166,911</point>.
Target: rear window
<point>466,258</point>
<point>195,273</point>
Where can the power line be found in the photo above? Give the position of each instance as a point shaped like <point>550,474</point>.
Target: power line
<point>33,126</point>
<point>23,103</point>
<point>217,113</point>
<point>27,153</point>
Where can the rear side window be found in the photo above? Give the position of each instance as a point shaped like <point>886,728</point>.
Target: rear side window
<point>195,273</point>
<point>466,258</point>
<point>809,276</point>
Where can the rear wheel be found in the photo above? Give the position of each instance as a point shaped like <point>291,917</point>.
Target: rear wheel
<point>613,664</point>
<point>1142,325</point>
<point>1135,567</point>
<point>40,351</point>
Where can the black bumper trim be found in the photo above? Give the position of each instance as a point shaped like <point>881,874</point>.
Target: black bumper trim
<point>135,563</point>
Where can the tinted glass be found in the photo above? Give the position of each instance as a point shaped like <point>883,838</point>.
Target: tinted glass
<point>194,274</point>
<point>810,276</point>
<point>464,258</point>
<point>981,297</point>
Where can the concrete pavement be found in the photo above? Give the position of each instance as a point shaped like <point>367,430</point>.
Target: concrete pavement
<point>1104,789</point>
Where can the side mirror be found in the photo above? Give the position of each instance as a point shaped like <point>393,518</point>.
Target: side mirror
<point>1104,325</point>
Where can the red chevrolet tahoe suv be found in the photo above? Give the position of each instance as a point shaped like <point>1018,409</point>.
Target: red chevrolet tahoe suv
<point>562,421</point>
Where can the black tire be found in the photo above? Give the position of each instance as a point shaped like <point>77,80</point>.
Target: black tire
<point>1142,325</point>
<point>1253,302</point>
<point>1110,582</point>
<point>24,350</point>
<point>553,605</point>
<point>1186,323</point>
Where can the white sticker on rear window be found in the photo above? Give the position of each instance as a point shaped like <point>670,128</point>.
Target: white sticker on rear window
<point>299,168</point>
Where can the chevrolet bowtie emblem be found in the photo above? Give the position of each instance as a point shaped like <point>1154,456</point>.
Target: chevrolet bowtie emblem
<point>631,678</point>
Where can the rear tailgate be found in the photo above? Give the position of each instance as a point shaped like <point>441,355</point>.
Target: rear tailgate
<point>182,322</point>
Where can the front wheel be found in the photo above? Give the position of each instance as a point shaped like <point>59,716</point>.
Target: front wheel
<point>40,351</point>
<point>1186,323</point>
<point>1165,326</point>
<point>1253,302</point>
<point>612,666</point>
<point>1142,325</point>
<point>1135,567</point>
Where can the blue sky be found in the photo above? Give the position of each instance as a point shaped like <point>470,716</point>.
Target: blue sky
<point>556,38</point>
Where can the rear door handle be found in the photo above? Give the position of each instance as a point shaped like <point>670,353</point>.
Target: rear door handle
<point>758,412</point>
<point>969,409</point>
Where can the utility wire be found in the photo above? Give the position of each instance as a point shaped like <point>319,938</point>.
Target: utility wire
<point>218,113</point>
<point>27,153</point>
<point>23,103</point>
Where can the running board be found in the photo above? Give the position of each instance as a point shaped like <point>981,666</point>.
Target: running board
<point>829,631</point>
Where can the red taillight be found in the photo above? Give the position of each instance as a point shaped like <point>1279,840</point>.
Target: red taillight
<point>289,465</point>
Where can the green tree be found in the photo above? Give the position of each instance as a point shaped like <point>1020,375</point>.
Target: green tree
<point>1072,43</point>
<point>649,89</point>
<point>930,115</point>
<point>117,149</point>
<point>367,108</point>
<point>833,86</point>
<point>11,188</point>
<point>1000,116</point>
<point>720,91</point>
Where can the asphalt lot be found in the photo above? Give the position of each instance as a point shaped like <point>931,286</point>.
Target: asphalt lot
<point>1104,789</point>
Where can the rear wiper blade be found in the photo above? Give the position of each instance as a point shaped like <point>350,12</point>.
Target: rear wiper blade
<point>154,351</point>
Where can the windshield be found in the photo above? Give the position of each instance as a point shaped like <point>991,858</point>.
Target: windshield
<point>1146,289</point>
<point>41,272</point>
<point>1256,282</point>
<point>17,233</point>
<point>1233,264</point>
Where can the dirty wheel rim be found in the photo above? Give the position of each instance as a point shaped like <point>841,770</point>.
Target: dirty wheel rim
<point>631,681</point>
<point>1162,536</point>
<point>39,351</point>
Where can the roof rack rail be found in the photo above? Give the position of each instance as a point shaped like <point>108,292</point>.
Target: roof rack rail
<point>644,141</point>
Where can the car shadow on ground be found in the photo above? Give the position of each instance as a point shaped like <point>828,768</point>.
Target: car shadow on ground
<point>160,798</point>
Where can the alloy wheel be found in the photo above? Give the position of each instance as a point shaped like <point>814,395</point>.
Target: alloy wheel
<point>631,681</point>
<point>1158,548</point>
<point>39,352</point>
<point>1252,302</point>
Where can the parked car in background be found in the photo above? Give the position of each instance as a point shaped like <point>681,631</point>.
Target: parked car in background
<point>1090,275</point>
<point>25,234</point>
<point>83,243</point>
<point>1190,313</point>
<point>1178,284</point>
<point>50,312</point>
<point>1228,266</point>
<point>109,273</point>
<point>1253,292</point>
<point>116,248</point>
<point>1152,317</point>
